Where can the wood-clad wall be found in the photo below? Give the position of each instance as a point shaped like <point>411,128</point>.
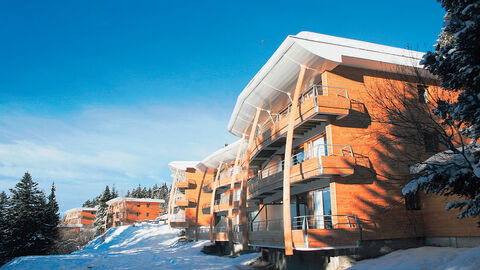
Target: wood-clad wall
<point>373,192</point>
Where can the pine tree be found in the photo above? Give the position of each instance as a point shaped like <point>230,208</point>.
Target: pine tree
<point>456,62</point>
<point>5,232</point>
<point>27,206</point>
<point>101,217</point>
<point>52,218</point>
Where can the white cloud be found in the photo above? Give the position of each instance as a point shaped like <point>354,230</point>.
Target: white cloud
<point>126,146</point>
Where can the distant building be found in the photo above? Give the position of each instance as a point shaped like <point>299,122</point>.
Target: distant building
<point>126,211</point>
<point>79,217</point>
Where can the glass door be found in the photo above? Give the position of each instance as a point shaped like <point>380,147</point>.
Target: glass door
<point>322,209</point>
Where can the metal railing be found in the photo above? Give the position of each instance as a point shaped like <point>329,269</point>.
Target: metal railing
<point>222,228</point>
<point>180,197</point>
<point>266,225</point>
<point>318,151</point>
<point>329,222</point>
<point>310,93</point>
<point>223,200</point>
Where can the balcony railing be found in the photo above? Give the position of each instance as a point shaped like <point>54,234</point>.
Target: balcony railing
<point>224,200</point>
<point>222,228</point>
<point>310,93</point>
<point>329,222</point>
<point>271,176</point>
<point>309,232</point>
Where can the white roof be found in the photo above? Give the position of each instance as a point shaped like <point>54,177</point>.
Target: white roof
<point>226,153</point>
<point>182,165</point>
<point>79,209</point>
<point>318,53</point>
<point>118,199</point>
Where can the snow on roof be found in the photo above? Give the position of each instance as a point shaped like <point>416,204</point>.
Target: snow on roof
<point>79,209</point>
<point>226,153</point>
<point>119,199</point>
<point>318,53</point>
<point>182,165</point>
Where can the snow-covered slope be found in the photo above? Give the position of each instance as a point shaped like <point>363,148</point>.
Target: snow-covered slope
<point>425,258</point>
<point>146,246</point>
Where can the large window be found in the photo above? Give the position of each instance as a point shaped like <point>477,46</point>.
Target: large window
<point>314,207</point>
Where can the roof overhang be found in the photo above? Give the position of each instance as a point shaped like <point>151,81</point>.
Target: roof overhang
<point>318,53</point>
<point>181,165</point>
<point>227,153</point>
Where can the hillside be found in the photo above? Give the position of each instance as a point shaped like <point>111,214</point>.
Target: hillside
<point>145,246</point>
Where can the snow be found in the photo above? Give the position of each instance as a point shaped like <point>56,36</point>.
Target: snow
<point>145,246</point>
<point>425,258</point>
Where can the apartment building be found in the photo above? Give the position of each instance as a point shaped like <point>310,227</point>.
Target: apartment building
<point>322,178</point>
<point>311,175</point>
<point>187,197</point>
<point>126,211</point>
<point>79,217</point>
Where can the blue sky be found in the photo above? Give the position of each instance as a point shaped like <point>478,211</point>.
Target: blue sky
<point>108,92</point>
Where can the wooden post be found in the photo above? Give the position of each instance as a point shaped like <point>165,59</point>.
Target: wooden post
<point>170,199</point>
<point>287,219</point>
<point>232,187</point>
<point>212,203</point>
<point>243,187</point>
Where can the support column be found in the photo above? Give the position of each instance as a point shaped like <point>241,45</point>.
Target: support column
<point>287,219</point>
<point>243,188</point>
<point>170,199</point>
<point>232,186</point>
<point>212,203</point>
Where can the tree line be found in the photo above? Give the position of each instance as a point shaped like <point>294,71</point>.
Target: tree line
<point>28,220</point>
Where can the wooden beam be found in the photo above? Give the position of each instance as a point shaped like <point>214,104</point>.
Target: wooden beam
<point>170,199</point>
<point>232,186</point>
<point>212,203</point>
<point>243,186</point>
<point>287,219</point>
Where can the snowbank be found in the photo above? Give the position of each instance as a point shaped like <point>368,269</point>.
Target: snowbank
<point>145,246</point>
<point>425,258</point>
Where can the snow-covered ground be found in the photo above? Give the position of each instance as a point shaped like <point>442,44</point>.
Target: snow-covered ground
<point>146,246</point>
<point>425,258</point>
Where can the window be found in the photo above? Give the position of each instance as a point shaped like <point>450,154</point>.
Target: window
<point>412,201</point>
<point>148,214</point>
<point>422,93</point>
<point>138,205</point>
<point>138,214</point>
<point>148,205</point>
<point>430,141</point>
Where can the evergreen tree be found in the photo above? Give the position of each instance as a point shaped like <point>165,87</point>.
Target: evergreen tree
<point>52,218</point>
<point>102,207</point>
<point>456,62</point>
<point>27,205</point>
<point>5,232</point>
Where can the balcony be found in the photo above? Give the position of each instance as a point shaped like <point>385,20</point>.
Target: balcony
<point>185,183</point>
<point>318,103</point>
<point>207,187</point>
<point>221,232</point>
<point>324,161</point>
<point>225,178</point>
<point>183,201</point>
<point>223,204</point>
<point>308,232</point>
<point>206,208</point>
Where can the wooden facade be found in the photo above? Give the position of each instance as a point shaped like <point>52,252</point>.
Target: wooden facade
<point>317,173</point>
